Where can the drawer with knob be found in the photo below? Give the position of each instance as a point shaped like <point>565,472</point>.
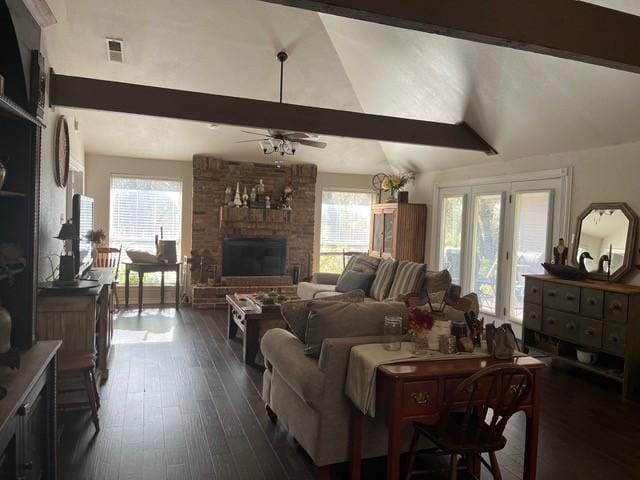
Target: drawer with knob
<point>533,291</point>
<point>532,316</point>
<point>421,397</point>
<point>614,338</point>
<point>561,297</point>
<point>552,322</point>
<point>616,306</point>
<point>591,302</point>
<point>590,333</point>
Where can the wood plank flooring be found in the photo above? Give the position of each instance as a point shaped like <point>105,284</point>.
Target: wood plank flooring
<point>180,404</point>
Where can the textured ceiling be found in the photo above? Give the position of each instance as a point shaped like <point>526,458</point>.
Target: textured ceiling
<point>522,103</point>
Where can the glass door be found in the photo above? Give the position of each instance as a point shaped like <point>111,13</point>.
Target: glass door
<point>452,223</point>
<point>531,228</point>
<point>486,247</point>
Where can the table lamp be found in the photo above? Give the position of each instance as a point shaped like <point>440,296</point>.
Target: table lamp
<point>67,272</point>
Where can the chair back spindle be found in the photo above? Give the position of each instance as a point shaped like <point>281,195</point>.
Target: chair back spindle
<point>499,388</point>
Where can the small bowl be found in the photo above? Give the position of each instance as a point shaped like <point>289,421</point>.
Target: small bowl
<point>586,356</point>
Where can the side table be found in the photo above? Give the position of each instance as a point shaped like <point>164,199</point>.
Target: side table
<point>143,268</point>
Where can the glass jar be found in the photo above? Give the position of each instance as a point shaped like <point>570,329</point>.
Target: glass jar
<point>421,343</point>
<point>392,333</point>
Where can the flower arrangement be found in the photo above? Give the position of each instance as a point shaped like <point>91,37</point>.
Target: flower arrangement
<point>394,183</point>
<point>96,236</point>
<point>420,320</point>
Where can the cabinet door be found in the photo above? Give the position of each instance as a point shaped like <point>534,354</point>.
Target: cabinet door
<point>36,438</point>
<point>389,224</point>
<point>377,233</point>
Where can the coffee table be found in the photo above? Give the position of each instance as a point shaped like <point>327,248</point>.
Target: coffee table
<point>253,319</point>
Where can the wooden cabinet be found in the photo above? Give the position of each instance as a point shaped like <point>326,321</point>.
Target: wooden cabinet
<point>28,416</point>
<point>561,316</point>
<point>398,231</point>
<point>83,320</point>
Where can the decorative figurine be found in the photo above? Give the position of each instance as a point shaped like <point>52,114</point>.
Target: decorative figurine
<point>560,253</point>
<point>267,202</point>
<point>228,196</point>
<point>584,256</point>
<point>475,327</point>
<point>260,188</point>
<point>253,195</point>
<point>245,198</point>
<point>287,196</point>
<point>237,201</point>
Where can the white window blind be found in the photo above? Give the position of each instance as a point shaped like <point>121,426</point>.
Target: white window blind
<point>139,207</point>
<point>344,226</point>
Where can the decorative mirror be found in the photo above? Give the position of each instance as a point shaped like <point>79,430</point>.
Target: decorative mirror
<point>605,240</point>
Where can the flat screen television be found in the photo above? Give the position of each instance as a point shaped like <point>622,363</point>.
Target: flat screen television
<point>82,224</point>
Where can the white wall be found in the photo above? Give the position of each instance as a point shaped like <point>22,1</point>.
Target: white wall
<point>53,201</point>
<point>98,172</point>
<point>607,174</point>
<point>337,181</point>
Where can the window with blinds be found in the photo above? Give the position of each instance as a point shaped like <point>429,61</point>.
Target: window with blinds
<point>139,208</point>
<point>344,227</point>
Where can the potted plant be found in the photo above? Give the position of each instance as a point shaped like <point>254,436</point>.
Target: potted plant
<point>421,322</point>
<point>97,238</point>
<point>394,183</point>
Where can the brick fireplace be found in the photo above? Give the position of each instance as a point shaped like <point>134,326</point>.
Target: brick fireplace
<point>213,222</point>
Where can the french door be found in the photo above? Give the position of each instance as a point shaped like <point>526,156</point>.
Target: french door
<point>490,235</point>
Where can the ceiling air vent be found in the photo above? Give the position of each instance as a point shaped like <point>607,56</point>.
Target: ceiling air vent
<point>115,51</point>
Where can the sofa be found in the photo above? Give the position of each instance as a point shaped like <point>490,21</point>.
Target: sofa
<point>306,392</point>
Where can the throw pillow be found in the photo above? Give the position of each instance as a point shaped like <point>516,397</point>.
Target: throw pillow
<point>361,263</point>
<point>339,320</point>
<point>296,312</point>
<point>384,279</point>
<point>353,280</point>
<point>408,279</point>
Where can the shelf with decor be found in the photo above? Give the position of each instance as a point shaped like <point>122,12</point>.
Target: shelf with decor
<point>253,215</point>
<point>11,109</point>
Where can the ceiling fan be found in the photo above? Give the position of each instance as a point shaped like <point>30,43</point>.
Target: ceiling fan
<point>281,141</point>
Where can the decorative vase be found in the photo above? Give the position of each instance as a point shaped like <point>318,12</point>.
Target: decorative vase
<point>441,326</point>
<point>5,330</point>
<point>403,197</point>
<point>421,342</point>
<point>393,196</point>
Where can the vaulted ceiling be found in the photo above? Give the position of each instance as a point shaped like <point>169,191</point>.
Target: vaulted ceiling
<point>521,103</point>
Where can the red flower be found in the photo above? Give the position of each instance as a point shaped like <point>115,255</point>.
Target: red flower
<point>420,319</point>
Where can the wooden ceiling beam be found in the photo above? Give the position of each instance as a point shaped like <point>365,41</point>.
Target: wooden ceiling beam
<point>569,29</point>
<point>78,92</point>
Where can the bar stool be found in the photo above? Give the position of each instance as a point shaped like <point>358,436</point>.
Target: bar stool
<point>80,364</point>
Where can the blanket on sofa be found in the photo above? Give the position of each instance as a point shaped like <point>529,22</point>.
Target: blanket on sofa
<point>364,360</point>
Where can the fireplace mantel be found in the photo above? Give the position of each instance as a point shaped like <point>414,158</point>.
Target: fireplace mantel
<point>232,216</point>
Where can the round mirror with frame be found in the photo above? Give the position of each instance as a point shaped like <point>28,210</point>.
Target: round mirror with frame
<point>605,240</point>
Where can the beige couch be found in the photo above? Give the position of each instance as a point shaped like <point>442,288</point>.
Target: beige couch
<point>307,395</point>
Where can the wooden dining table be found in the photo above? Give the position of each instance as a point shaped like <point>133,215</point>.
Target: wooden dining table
<point>416,391</point>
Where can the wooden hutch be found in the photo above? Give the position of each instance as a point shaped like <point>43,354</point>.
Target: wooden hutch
<point>398,231</point>
<point>28,411</point>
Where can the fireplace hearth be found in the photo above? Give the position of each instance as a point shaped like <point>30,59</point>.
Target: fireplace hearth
<point>250,257</point>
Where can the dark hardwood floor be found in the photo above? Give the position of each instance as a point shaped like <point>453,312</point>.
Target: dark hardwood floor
<point>179,404</point>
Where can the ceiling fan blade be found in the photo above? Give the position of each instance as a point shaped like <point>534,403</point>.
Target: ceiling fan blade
<point>312,143</point>
<point>254,133</point>
<point>256,140</point>
<point>287,134</point>
<point>296,135</point>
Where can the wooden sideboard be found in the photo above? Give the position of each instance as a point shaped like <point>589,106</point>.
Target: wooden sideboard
<point>562,315</point>
<point>398,231</point>
<point>82,319</point>
<point>28,416</point>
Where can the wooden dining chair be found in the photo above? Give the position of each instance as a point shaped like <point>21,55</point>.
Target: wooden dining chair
<point>347,254</point>
<point>81,364</point>
<point>465,427</point>
<point>109,257</point>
